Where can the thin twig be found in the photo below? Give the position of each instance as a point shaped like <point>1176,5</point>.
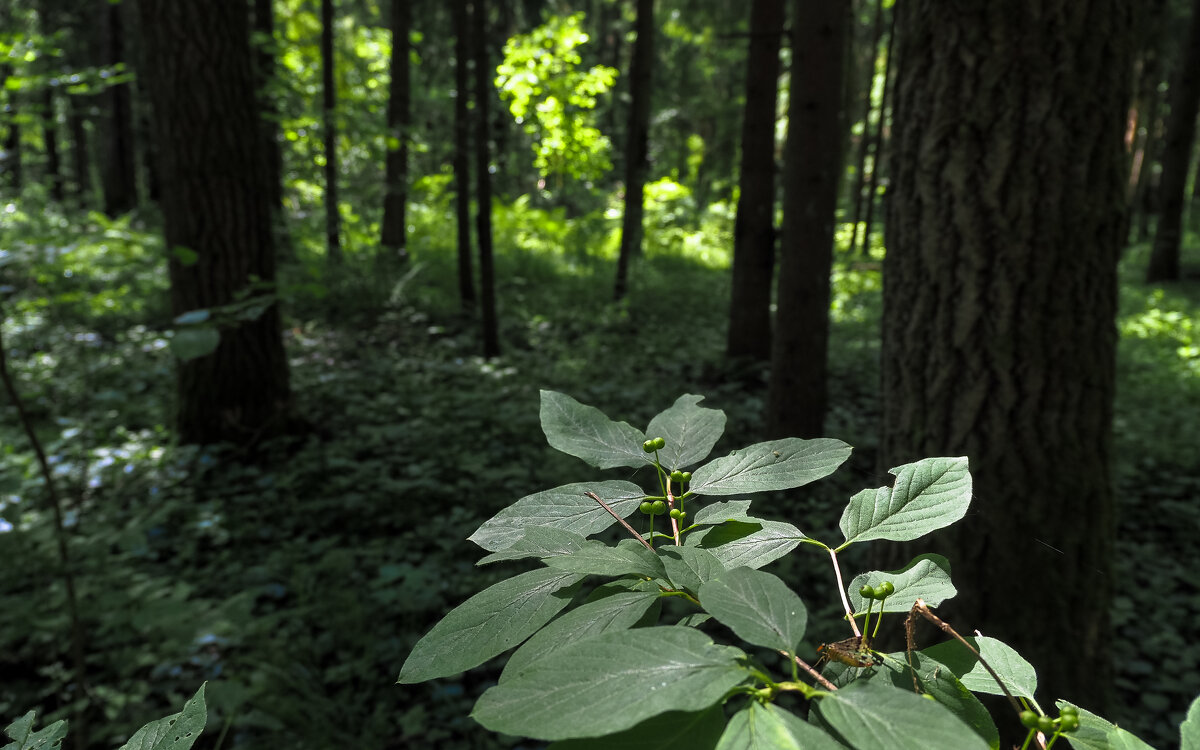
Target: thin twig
<point>811,672</point>
<point>670,506</point>
<point>921,608</point>
<point>620,520</point>
<point>842,590</point>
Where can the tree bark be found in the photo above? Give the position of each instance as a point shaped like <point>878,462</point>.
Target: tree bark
<point>118,170</point>
<point>796,398</point>
<point>394,231</point>
<point>264,69</point>
<point>877,146</point>
<point>216,203</point>
<point>462,147</point>
<point>1176,157</point>
<point>636,162</point>
<point>1000,292</point>
<point>484,90</point>
<point>333,219</point>
<point>754,230</point>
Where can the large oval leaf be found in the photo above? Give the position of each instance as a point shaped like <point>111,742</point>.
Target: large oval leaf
<point>538,541</point>
<point>937,680</point>
<point>927,495</point>
<point>872,715</point>
<point>768,727</point>
<point>563,507</point>
<point>1095,733</point>
<point>610,683</point>
<point>585,432</point>
<point>688,567</point>
<point>1019,675</point>
<point>690,432</point>
<point>926,577</point>
<point>596,558</point>
<point>758,607</point>
<point>489,623</point>
<point>674,730</point>
<point>751,543</point>
<point>773,465</point>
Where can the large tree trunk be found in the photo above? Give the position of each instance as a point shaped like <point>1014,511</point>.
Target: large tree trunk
<point>796,399</point>
<point>484,90</point>
<point>333,219</point>
<point>216,204</point>
<point>394,234</point>
<point>637,133</point>
<point>118,170</point>
<point>462,147</point>
<point>754,231</point>
<point>1176,157</point>
<point>1000,292</point>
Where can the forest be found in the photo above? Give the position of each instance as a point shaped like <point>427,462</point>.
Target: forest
<point>306,305</point>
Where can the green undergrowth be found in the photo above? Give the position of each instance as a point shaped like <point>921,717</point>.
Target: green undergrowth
<point>295,579</point>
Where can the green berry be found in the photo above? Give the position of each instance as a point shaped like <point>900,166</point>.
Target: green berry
<point>1068,722</point>
<point>866,592</point>
<point>685,476</point>
<point>658,507</point>
<point>1068,710</point>
<point>884,590</point>
<point>648,446</point>
<point>646,507</point>
<point>1045,725</point>
<point>676,513</point>
<point>1029,719</point>
<point>659,443</point>
<point>677,476</point>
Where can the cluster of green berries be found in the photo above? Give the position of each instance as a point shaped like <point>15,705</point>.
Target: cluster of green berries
<point>654,444</point>
<point>1067,721</point>
<point>658,508</point>
<point>878,593</point>
<point>681,477</point>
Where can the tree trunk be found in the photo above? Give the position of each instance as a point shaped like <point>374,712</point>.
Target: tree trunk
<point>10,160</point>
<point>216,204</point>
<point>118,170</point>
<point>50,138</point>
<point>1000,292</point>
<point>796,399</point>
<point>754,230</point>
<point>394,232</point>
<point>877,142</point>
<point>637,133</point>
<point>264,69</point>
<point>484,90</point>
<point>333,219</point>
<point>864,141</point>
<point>462,147</point>
<point>1176,157</point>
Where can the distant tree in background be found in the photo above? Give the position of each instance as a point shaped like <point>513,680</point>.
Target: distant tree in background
<point>393,233</point>
<point>264,69</point>
<point>217,214</point>
<point>1000,292</point>
<point>333,219</point>
<point>796,399</point>
<point>1176,156</point>
<point>636,144</point>
<point>484,90</point>
<point>754,230</point>
<point>461,152</point>
<point>115,140</point>
<point>10,164</point>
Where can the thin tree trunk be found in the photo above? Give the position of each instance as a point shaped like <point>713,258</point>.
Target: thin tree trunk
<point>265,51</point>
<point>796,398</point>
<point>754,230</point>
<point>860,177</point>
<point>81,165</point>
<point>10,164</point>
<point>118,166</point>
<point>636,163</point>
<point>483,181</point>
<point>1000,294</point>
<point>333,219</point>
<point>462,175</point>
<point>216,203</point>
<point>50,138</point>
<point>1176,157</point>
<point>394,230</point>
<point>1145,139</point>
<point>877,140</point>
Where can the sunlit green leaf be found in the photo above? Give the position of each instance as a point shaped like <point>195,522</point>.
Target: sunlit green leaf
<point>758,607</point>
<point>773,465</point>
<point>927,577</point>
<point>690,432</point>
<point>768,727</point>
<point>872,715</point>
<point>585,432</point>
<point>565,507</point>
<point>927,495</point>
<point>1018,675</point>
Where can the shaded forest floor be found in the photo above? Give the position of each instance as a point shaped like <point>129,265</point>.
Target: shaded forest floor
<point>296,583</point>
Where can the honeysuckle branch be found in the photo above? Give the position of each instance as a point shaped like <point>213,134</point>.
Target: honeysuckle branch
<point>620,520</point>
<point>811,672</point>
<point>837,570</point>
<point>674,523</point>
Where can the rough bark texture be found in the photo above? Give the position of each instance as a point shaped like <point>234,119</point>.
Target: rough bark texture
<point>462,148</point>
<point>754,231</point>
<point>1176,157</point>
<point>637,133</point>
<point>118,171</point>
<point>333,219</point>
<point>394,234</point>
<point>216,203</point>
<point>796,398</point>
<point>484,91</point>
<point>1000,293</point>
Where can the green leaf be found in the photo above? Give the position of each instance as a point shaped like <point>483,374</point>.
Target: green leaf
<point>21,730</point>
<point>1018,674</point>
<point>585,432</point>
<point>1095,733</point>
<point>871,715</point>
<point>688,567</point>
<point>773,465</point>
<point>195,341</point>
<point>193,317</point>
<point>612,682</point>
<point>563,507</point>
<point>175,732</point>
<point>674,730</point>
<point>489,623</point>
<point>1189,730</point>
<point>691,431</point>
<point>752,543</point>
<point>616,612</point>
<point>758,607</point>
<point>768,727</point>
<point>597,558</point>
<point>538,541</point>
<point>926,577</point>
<point>720,512</point>
<point>937,680</point>
<point>927,495</point>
